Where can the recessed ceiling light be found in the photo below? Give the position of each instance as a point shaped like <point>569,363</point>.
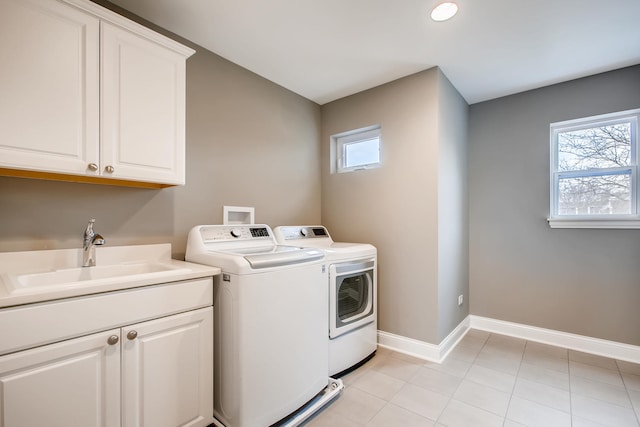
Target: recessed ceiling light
<point>444,11</point>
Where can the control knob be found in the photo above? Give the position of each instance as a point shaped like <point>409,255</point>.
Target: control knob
<point>303,232</point>
<point>236,232</point>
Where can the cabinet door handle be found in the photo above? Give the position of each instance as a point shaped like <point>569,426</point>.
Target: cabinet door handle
<point>92,167</point>
<point>113,340</point>
<point>109,169</point>
<point>132,335</point>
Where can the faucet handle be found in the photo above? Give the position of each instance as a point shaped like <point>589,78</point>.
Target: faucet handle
<point>88,232</point>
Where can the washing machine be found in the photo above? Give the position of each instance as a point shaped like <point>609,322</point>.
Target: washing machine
<point>270,341</point>
<point>352,284</point>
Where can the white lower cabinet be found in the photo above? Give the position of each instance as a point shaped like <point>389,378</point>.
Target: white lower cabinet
<point>70,383</point>
<point>165,366</point>
<point>157,373</point>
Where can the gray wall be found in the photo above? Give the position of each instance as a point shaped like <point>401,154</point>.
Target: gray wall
<point>453,208</point>
<point>396,206</point>
<point>580,281</point>
<point>249,143</point>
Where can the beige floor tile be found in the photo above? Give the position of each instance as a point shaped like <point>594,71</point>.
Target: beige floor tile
<point>381,351</point>
<point>505,342</point>
<point>450,366</point>
<point>488,379</point>
<point>536,415</point>
<point>595,373</point>
<point>381,354</point>
<point>543,375</point>
<point>357,406</point>
<point>592,359</point>
<point>492,378</point>
<point>635,399</point>
<point>437,381</point>
<point>602,391</point>
<point>546,360</point>
<point>378,384</point>
<point>504,362</point>
<point>581,422</point>
<point>539,349</point>
<point>476,340</point>
<point>459,414</point>
<point>543,394</point>
<point>602,412</point>
<point>392,415</point>
<point>408,358</point>
<point>483,397</point>
<point>465,352</point>
<point>631,381</point>
<point>471,343</point>
<point>327,418</point>
<point>397,368</point>
<point>352,376</point>
<point>423,402</point>
<point>505,350</point>
<point>477,333</point>
<point>628,367</point>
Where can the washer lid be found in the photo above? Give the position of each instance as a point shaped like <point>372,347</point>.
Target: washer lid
<point>278,255</point>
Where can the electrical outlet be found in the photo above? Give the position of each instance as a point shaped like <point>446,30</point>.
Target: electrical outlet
<point>460,299</point>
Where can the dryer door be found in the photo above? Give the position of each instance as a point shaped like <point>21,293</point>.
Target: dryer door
<point>351,296</point>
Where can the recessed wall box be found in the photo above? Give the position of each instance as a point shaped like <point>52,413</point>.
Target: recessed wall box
<point>238,215</point>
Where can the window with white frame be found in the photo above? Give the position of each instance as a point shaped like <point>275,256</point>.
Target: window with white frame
<point>356,150</point>
<point>594,172</point>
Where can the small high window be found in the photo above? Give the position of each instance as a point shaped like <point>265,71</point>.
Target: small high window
<point>594,172</point>
<point>356,150</point>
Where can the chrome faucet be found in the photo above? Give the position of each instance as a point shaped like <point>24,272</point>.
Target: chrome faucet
<point>90,241</point>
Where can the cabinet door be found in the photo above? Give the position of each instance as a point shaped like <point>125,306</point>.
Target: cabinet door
<point>49,87</point>
<point>167,371</point>
<point>143,108</point>
<point>71,383</point>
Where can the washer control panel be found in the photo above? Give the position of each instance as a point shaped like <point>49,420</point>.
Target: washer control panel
<point>237,232</point>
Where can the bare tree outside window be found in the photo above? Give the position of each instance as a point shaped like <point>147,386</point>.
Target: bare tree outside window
<point>595,175</point>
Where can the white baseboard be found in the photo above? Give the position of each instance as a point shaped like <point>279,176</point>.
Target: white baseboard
<point>612,349</point>
<point>437,353</point>
<point>421,349</point>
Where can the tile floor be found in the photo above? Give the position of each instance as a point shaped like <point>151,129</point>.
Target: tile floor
<point>489,380</point>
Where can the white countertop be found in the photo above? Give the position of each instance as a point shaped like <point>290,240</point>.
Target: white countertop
<point>13,264</point>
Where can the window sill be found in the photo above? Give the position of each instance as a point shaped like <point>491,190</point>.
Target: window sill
<point>631,223</point>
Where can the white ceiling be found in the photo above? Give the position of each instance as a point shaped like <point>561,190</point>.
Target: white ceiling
<point>328,49</point>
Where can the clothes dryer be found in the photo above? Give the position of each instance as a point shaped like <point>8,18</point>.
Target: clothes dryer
<point>352,289</point>
<point>270,341</point>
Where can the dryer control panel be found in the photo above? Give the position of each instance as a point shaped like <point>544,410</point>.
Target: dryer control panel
<point>302,232</point>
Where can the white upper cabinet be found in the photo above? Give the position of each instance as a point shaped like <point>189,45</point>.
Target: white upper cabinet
<point>49,86</point>
<point>143,108</point>
<point>88,95</point>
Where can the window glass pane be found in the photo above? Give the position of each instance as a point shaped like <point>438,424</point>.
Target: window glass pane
<point>607,146</point>
<point>595,195</point>
<point>361,153</point>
